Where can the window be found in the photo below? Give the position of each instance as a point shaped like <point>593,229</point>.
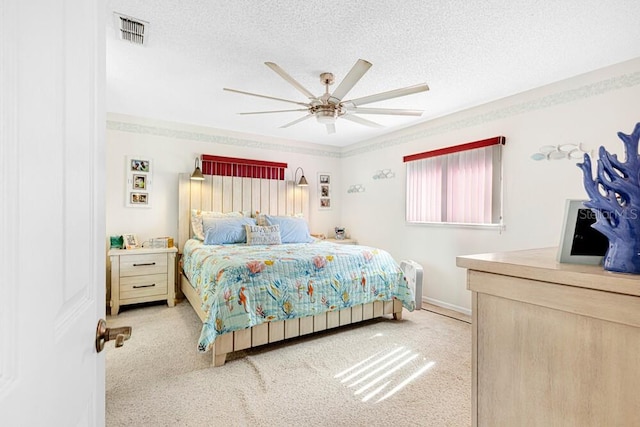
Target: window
<point>460,184</point>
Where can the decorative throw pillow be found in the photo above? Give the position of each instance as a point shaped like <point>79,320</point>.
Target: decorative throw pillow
<point>263,235</point>
<point>222,231</point>
<point>196,220</point>
<point>292,229</point>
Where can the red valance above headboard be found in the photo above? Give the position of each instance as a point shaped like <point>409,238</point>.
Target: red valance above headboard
<point>245,168</point>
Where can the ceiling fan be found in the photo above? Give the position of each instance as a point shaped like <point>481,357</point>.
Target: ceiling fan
<point>328,107</point>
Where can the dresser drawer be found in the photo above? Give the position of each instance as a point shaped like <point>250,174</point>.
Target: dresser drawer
<point>143,286</point>
<point>137,265</point>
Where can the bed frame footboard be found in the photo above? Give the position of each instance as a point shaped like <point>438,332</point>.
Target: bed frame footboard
<point>284,329</point>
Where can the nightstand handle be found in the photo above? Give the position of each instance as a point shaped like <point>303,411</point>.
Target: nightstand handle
<point>148,263</point>
<point>144,286</point>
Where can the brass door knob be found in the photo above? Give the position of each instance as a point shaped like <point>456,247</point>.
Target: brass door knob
<point>104,334</point>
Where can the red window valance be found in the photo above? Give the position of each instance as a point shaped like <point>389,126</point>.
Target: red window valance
<point>456,148</point>
<point>245,168</point>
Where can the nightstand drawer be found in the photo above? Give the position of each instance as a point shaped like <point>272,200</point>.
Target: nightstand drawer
<point>137,265</point>
<point>143,286</point>
<point>142,275</point>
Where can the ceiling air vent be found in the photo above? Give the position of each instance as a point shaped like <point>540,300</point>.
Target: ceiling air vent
<point>131,29</point>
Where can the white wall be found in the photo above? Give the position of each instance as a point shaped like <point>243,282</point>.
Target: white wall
<point>588,109</point>
<point>173,148</point>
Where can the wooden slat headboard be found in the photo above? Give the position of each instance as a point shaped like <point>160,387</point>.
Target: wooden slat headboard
<point>228,194</point>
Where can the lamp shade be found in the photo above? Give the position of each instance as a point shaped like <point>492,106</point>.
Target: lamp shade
<point>302,182</point>
<point>197,173</point>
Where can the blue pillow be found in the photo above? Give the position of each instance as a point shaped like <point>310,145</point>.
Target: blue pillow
<point>292,229</point>
<point>221,231</point>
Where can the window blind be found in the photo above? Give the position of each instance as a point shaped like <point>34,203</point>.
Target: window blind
<point>459,184</point>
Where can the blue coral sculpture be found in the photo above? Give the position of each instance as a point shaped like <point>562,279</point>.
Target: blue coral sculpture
<point>614,196</point>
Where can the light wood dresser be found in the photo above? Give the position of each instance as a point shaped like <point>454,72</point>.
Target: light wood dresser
<point>142,275</point>
<point>553,344</point>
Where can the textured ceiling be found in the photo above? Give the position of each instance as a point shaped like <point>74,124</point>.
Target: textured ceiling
<point>468,52</point>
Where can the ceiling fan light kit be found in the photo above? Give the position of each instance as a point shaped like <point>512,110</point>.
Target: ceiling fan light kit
<point>329,107</point>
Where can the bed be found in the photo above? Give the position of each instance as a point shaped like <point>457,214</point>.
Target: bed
<point>249,295</point>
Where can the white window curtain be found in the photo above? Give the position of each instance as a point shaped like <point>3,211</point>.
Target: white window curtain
<point>459,187</point>
<point>469,186</point>
<point>424,177</point>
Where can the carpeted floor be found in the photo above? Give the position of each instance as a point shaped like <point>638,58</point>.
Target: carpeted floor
<point>416,372</point>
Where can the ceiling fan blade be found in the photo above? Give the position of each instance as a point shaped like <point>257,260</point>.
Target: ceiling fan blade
<point>290,79</point>
<point>352,77</point>
<point>389,111</point>
<point>388,95</point>
<point>331,127</point>
<point>361,121</point>
<point>273,111</point>
<point>265,96</point>
<point>297,121</point>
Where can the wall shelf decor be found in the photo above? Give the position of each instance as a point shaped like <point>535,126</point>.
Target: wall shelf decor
<point>138,182</point>
<point>384,174</point>
<point>356,188</point>
<point>560,152</point>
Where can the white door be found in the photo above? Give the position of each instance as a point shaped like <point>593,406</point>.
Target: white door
<point>52,227</point>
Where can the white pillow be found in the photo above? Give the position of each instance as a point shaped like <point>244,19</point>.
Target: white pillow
<point>263,235</point>
<point>292,229</point>
<point>222,231</point>
<point>262,220</point>
<point>196,220</point>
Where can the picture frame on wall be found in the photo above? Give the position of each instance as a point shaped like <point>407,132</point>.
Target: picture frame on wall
<point>139,198</point>
<point>140,165</point>
<point>324,190</point>
<point>139,182</point>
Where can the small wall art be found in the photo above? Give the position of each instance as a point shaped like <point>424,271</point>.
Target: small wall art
<point>355,188</point>
<point>384,174</point>
<point>138,182</point>
<point>560,152</point>
<point>324,190</point>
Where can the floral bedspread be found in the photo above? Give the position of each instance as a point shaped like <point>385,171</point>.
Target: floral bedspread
<point>242,286</point>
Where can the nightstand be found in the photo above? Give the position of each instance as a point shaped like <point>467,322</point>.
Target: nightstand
<point>343,241</point>
<point>142,275</point>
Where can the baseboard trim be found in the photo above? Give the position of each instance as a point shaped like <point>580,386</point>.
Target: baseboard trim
<point>446,309</point>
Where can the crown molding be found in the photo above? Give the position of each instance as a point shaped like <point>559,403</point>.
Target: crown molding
<point>167,131</point>
<point>425,130</point>
<point>420,131</point>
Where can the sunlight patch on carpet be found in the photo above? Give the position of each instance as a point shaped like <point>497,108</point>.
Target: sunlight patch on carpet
<point>398,363</point>
<point>407,381</point>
